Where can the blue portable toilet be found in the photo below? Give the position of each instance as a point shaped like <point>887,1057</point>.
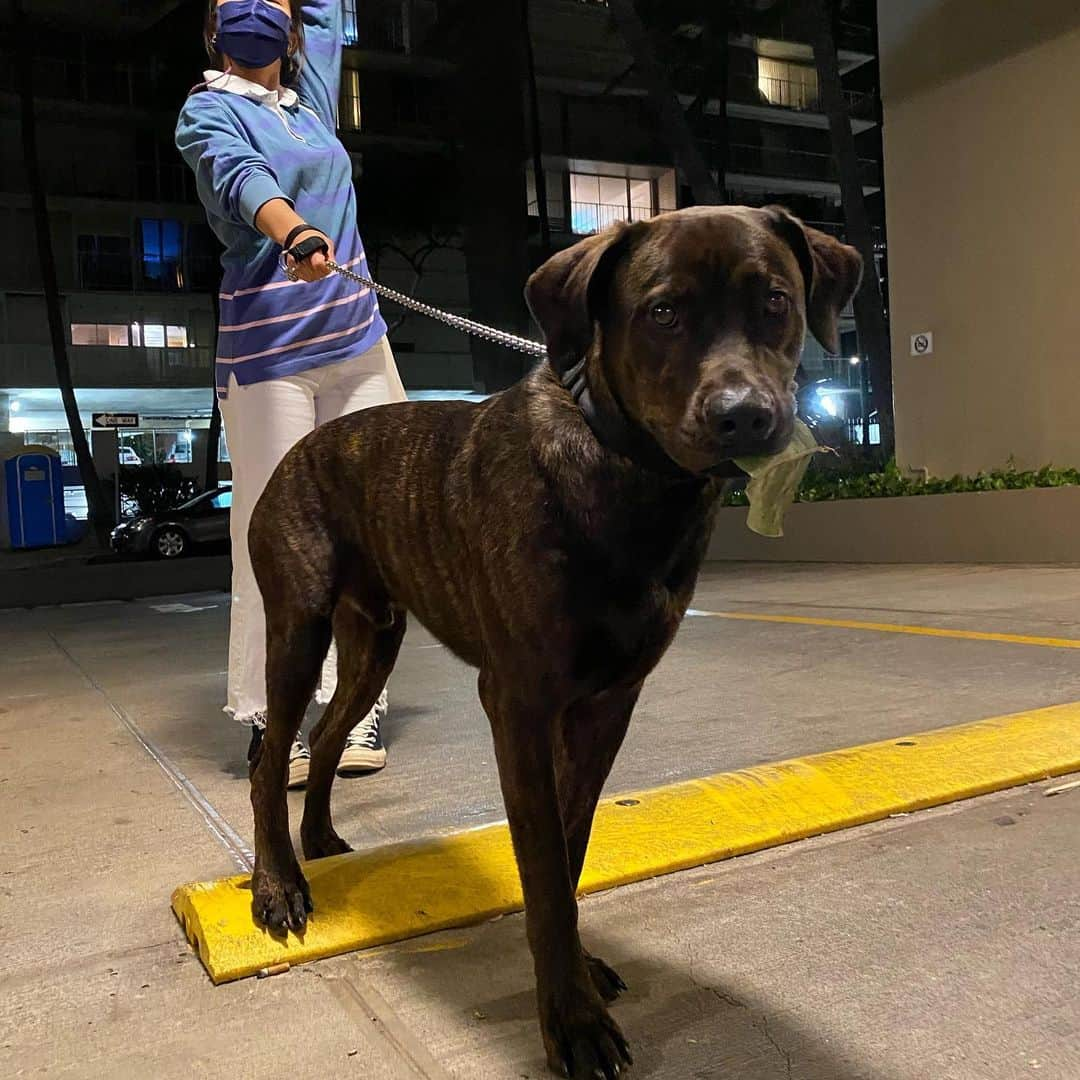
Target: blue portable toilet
<point>35,500</point>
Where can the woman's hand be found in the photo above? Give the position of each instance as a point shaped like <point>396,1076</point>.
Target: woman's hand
<point>314,267</point>
<point>276,219</point>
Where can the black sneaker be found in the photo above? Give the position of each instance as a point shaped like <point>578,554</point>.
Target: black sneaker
<point>299,756</point>
<point>299,765</point>
<point>258,728</point>
<point>364,751</point>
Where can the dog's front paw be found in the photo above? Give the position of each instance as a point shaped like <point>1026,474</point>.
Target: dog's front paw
<point>608,983</point>
<point>581,1039</point>
<point>280,901</point>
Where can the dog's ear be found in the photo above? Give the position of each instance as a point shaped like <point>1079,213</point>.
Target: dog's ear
<point>831,273</point>
<point>562,293</point>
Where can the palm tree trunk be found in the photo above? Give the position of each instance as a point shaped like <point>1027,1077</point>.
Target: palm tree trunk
<point>100,511</point>
<point>665,104</point>
<point>487,47</point>
<point>868,303</point>
<point>539,178</point>
<point>714,87</point>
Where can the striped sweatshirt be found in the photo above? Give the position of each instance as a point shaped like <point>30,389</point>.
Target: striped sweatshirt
<point>248,145</point>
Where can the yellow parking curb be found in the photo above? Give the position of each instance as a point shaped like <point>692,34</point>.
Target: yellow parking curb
<point>400,891</point>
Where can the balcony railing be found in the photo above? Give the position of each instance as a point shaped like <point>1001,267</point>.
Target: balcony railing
<point>795,164</point>
<point>792,26</point>
<point>110,177</point>
<point>587,217</point>
<point>795,95</point>
<point>118,272</point>
<point>837,229</point>
<point>100,365</point>
<point>397,26</point>
<point>96,84</point>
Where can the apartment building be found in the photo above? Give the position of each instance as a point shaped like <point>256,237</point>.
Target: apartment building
<point>136,262</point>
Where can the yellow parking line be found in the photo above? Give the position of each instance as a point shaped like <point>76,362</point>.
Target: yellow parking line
<point>401,891</point>
<point>893,628</point>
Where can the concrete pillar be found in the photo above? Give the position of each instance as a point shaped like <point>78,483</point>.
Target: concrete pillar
<point>105,450</point>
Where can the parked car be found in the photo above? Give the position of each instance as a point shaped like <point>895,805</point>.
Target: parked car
<point>129,457</point>
<point>172,533</point>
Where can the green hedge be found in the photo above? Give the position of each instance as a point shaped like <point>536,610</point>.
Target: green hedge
<point>822,485</point>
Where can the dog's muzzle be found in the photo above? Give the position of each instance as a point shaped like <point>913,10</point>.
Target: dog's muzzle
<point>744,422</point>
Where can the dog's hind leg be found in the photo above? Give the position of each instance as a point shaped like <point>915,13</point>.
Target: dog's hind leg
<point>366,656</point>
<point>296,644</point>
<point>590,734</point>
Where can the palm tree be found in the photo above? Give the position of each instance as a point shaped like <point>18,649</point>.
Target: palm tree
<point>539,177</point>
<point>100,511</point>
<point>666,105</point>
<point>869,303</point>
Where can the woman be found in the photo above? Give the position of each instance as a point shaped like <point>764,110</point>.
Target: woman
<point>260,137</point>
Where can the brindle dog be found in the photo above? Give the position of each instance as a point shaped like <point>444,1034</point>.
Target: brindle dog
<point>550,536</point>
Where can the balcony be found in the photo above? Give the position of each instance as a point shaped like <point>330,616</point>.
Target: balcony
<point>390,26</point>
<point>779,162</point>
<point>119,272</point>
<point>796,96</point>
<point>855,42</point>
<point>837,229</point>
<point>104,366</point>
<point>111,177</point>
<point>123,85</point>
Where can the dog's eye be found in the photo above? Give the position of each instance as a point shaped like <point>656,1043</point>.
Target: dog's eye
<point>663,314</point>
<point>777,303</point>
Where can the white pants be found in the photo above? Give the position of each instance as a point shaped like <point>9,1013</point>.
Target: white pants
<point>263,422</point>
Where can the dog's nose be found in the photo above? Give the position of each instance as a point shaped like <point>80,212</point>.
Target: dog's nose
<point>743,419</point>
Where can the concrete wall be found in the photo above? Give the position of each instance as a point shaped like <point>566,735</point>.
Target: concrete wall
<point>1038,525</point>
<point>982,155</point>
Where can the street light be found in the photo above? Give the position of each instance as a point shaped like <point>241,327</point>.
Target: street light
<point>854,361</point>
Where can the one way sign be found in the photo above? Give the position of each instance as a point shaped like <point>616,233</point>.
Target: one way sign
<point>115,419</point>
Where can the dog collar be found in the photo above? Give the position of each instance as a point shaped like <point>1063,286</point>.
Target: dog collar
<point>615,430</point>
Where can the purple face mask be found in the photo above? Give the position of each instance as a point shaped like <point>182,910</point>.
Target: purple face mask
<point>253,32</point>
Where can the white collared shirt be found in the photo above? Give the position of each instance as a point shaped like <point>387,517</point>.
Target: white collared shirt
<point>234,84</point>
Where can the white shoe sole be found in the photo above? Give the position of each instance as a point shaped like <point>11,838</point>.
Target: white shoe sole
<point>358,760</point>
<point>298,772</point>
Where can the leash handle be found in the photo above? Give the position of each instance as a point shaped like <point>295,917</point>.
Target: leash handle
<point>458,322</point>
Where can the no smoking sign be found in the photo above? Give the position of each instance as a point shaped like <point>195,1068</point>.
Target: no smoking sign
<point>922,344</point>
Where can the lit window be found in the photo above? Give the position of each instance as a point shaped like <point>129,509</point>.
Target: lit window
<point>162,253</point>
<point>793,86</point>
<point>350,100</point>
<point>176,337</point>
<point>153,336</point>
<point>99,334</point>
<point>351,35</point>
<point>598,201</point>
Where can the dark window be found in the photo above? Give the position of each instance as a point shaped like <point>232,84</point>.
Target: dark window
<point>162,249</point>
<point>104,262</point>
<point>204,269</point>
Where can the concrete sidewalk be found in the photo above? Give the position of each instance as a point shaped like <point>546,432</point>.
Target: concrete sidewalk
<point>941,945</point>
